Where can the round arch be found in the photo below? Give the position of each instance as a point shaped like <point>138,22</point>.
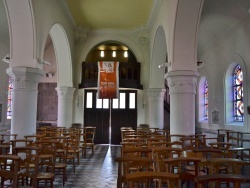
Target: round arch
<point>120,39</point>
<point>20,56</point>
<point>63,55</point>
<point>159,56</point>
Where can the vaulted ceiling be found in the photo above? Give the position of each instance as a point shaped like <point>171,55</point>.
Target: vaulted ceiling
<point>111,14</point>
<point>217,18</point>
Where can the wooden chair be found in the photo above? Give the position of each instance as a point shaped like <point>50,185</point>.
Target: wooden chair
<point>20,142</point>
<point>175,137</point>
<point>141,177</point>
<point>28,166</point>
<point>232,166</point>
<point>190,143</point>
<point>129,164</point>
<point>72,152</point>
<point>89,133</point>
<point>61,159</point>
<point>8,137</point>
<point>178,165</point>
<point>217,179</point>
<point>46,170</point>
<point>7,172</point>
<point>160,154</point>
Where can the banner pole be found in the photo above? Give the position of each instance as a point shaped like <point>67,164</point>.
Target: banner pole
<point>110,121</point>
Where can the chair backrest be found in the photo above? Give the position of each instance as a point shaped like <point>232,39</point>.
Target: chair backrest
<point>89,134</point>
<point>139,177</point>
<point>127,163</point>
<point>47,158</point>
<point>20,142</point>
<point>160,154</point>
<point>219,178</point>
<point>178,165</point>
<point>190,143</point>
<point>7,172</point>
<point>233,165</point>
<point>28,166</point>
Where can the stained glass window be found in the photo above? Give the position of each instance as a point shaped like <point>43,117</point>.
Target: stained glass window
<point>205,100</point>
<point>238,94</point>
<point>9,100</point>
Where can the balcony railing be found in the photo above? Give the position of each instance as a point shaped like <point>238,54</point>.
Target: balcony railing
<point>129,75</point>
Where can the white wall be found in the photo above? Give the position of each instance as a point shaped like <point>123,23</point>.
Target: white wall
<point>232,47</point>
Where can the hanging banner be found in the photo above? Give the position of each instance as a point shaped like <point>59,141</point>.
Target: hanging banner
<point>108,79</point>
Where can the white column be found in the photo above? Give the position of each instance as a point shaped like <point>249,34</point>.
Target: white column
<point>65,106</point>
<point>155,111</point>
<point>182,90</point>
<point>24,99</point>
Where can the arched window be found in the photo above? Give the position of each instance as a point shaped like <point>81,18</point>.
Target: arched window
<point>238,106</point>
<point>9,101</point>
<point>205,100</point>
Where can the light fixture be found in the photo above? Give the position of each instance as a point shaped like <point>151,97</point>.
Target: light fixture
<point>49,74</point>
<point>114,54</point>
<point>6,59</point>
<point>102,53</point>
<point>42,61</point>
<point>200,64</point>
<point>125,54</point>
<point>167,64</point>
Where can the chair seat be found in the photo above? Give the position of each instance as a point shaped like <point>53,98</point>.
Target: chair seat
<point>45,175</point>
<point>60,165</point>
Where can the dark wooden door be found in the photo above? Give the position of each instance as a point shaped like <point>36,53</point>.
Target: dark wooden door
<point>123,114</point>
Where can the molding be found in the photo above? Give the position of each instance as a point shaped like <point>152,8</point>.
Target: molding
<point>153,13</point>
<point>68,14</point>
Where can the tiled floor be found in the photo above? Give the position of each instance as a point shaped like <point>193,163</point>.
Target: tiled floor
<point>97,171</point>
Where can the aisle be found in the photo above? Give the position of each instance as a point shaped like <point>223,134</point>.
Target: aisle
<point>97,171</point>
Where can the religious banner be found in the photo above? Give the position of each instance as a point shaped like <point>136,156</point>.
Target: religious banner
<point>108,79</point>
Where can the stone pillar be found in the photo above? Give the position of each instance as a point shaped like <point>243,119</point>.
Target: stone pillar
<point>65,105</point>
<point>24,99</point>
<point>182,90</point>
<point>155,111</point>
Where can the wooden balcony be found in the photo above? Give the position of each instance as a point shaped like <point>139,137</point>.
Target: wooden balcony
<point>129,75</point>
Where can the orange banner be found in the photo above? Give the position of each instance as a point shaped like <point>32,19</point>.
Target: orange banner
<point>108,79</point>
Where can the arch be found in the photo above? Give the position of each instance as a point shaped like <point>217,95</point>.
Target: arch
<point>90,44</point>
<point>21,34</point>
<point>159,51</point>
<point>183,45</point>
<point>63,55</point>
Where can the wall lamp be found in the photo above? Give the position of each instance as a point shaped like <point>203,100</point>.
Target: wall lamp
<point>167,64</point>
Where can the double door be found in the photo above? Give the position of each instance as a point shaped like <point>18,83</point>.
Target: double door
<point>109,115</point>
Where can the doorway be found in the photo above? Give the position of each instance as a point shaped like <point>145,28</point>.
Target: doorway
<point>109,115</point>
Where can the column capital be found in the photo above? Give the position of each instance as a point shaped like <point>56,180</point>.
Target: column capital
<point>25,77</point>
<point>65,92</point>
<point>155,93</point>
<point>182,81</point>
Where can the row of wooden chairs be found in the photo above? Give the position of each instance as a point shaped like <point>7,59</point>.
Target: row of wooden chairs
<point>185,148</point>
<point>65,145</point>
